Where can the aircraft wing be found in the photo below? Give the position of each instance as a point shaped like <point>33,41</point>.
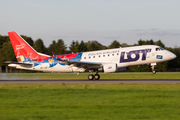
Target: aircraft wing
<point>84,64</point>
<point>78,63</point>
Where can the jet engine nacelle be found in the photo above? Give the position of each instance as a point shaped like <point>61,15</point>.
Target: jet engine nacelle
<point>109,68</point>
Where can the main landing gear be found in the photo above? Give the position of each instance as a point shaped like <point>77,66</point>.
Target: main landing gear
<point>96,76</point>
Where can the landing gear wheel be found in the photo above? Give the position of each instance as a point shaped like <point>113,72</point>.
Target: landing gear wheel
<point>90,77</point>
<point>154,72</point>
<point>96,76</point>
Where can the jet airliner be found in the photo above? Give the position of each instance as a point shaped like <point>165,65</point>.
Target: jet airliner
<point>108,61</point>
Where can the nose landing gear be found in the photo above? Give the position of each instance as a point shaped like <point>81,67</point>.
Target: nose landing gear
<point>154,72</point>
<point>153,66</point>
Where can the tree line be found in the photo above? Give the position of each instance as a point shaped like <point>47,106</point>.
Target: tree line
<point>59,47</point>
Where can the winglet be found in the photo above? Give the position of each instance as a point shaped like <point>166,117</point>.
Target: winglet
<point>56,56</point>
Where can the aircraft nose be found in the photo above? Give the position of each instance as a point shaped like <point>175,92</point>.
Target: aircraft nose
<point>172,56</point>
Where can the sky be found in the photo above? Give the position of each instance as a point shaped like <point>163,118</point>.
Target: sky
<point>126,21</point>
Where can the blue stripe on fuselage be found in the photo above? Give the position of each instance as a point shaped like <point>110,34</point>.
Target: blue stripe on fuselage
<point>77,58</point>
<point>53,61</point>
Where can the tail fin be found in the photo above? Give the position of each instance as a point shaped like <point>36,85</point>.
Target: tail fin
<point>22,49</point>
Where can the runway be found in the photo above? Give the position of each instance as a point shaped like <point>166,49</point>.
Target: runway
<point>125,81</point>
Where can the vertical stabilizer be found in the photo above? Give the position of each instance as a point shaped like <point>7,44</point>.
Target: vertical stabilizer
<point>22,49</point>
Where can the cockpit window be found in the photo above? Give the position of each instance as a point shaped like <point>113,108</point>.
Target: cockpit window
<point>160,48</point>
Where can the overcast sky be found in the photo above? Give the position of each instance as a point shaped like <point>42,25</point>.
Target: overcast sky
<point>103,20</point>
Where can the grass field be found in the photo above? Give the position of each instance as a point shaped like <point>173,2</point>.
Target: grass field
<point>55,76</point>
<point>89,102</point>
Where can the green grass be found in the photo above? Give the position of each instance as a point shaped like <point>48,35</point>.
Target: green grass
<point>55,76</point>
<point>87,102</point>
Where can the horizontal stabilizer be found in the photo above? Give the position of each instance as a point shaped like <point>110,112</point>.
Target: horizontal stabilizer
<point>14,64</point>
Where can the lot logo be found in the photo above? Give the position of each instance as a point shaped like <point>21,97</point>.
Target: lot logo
<point>109,67</point>
<point>133,56</point>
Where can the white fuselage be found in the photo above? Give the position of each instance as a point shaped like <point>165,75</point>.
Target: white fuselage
<point>129,55</point>
<point>122,57</point>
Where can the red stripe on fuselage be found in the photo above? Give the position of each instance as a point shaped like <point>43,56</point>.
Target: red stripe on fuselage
<point>69,56</point>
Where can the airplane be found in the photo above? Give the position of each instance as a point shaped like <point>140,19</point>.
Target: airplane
<point>108,61</point>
